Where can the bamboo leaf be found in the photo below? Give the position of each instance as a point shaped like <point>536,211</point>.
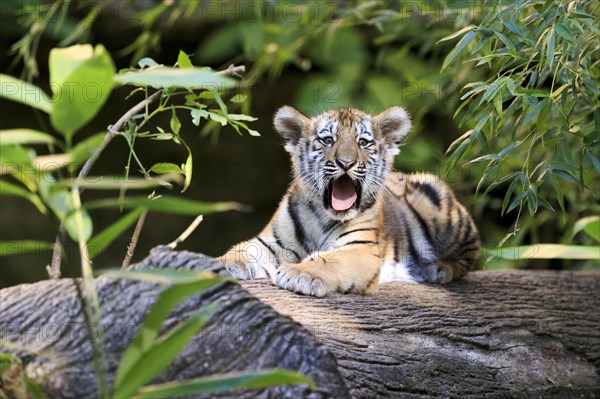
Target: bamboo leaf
<point>464,42</point>
<point>8,248</point>
<point>166,204</point>
<point>546,251</point>
<point>25,136</point>
<point>219,383</point>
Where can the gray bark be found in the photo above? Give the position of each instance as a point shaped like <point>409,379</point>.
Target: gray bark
<point>44,326</point>
<point>504,334</point>
<point>493,335</point>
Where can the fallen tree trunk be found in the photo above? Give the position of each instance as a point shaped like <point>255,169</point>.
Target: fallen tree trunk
<point>43,325</point>
<point>508,334</point>
<point>492,335</point>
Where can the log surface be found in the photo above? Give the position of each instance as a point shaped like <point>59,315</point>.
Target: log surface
<point>502,334</point>
<point>509,334</point>
<point>44,326</point>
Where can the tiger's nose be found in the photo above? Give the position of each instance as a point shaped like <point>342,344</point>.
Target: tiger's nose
<point>345,163</point>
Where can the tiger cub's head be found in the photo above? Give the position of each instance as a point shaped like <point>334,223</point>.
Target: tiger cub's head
<point>341,158</point>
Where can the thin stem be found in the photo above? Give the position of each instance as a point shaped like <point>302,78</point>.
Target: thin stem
<point>187,232</point>
<point>134,239</point>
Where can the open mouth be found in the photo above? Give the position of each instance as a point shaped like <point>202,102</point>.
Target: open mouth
<point>342,194</point>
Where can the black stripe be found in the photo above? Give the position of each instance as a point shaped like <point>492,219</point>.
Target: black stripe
<point>396,254</point>
<point>468,229</point>
<point>414,254</point>
<point>470,242</point>
<point>421,222</point>
<point>467,249</point>
<point>360,242</point>
<point>429,192</point>
<point>376,275</point>
<point>278,241</point>
<point>355,230</point>
<point>298,229</point>
<point>268,247</point>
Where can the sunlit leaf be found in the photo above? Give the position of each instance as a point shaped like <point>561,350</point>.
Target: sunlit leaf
<point>24,136</point>
<point>167,77</point>
<point>546,251</point>
<point>166,204</point>
<point>20,91</point>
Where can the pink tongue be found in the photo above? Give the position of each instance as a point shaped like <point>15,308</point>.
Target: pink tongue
<point>343,195</point>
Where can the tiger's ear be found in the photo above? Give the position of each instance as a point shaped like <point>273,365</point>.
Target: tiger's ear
<point>290,123</point>
<point>394,124</point>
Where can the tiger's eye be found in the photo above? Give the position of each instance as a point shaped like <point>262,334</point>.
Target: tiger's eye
<point>327,140</point>
<point>363,142</point>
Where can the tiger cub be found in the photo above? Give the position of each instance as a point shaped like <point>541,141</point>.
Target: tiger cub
<point>348,221</point>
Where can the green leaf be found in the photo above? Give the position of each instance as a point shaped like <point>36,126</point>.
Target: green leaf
<point>83,150</point>
<point>241,117</point>
<point>188,172</point>
<point>509,45</point>
<point>25,136</point>
<point>175,123</point>
<point>144,348</point>
<point>20,91</point>
<point>239,98</point>
<point>590,224</point>
<point>166,167</point>
<point>197,114</point>
<point>116,182</point>
<point>81,80</point>
<point>159,355</point>
<point>224,382</point>
<point>166,204</point>
<point>546,251</point>
<point>102,240</point>
<point>218,118</point>
<point>563,31</point>
<point>183,61</point>
<point>166,77</point>
<point>162,276</point>
<point>459,48</point>
<point>457,33</point>
<point>7,188</point>
<point>8,248</point>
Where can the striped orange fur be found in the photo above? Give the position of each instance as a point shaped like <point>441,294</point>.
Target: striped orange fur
<point>348,221</point>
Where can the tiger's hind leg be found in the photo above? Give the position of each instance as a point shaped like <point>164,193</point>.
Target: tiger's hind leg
<point>452,231</point>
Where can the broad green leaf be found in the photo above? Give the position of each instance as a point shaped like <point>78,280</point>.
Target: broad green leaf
<point>167,77</point>
<point>218,118</point>
<point>224,382</point>
<point>81,79</point>
<point>20,91</point>
<point>7,188</point>
<point>166,204</point>
<point>166,167</point>
<point>102,240</point>
<point>183,61</point>
<point>506,41</point>
<point>25,136</point>
<point>459,48</point>
<point>590,224</point>
<point>197,114</point>
<point>175,123</point>
<point>562,30</point>
<point>17,162</point>
<point>159,355</point>
<point>8,248</point>
<point>546,251</point>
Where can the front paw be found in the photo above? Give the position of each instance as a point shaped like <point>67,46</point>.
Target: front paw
<point>299,278</point>
<point>239,271</point>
